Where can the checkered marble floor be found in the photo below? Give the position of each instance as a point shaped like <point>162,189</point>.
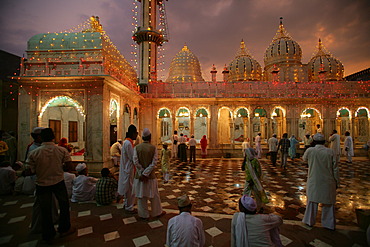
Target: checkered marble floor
<point>214,185</point>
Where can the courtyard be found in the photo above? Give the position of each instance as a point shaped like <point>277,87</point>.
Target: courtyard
<point>214,185</point>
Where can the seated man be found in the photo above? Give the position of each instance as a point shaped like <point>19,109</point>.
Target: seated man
<point>7,178</point>
<point>185,230</point>
<point>106,188</point>
<point>69,177</point>
<point>251,229</point>
<point>83,186</point>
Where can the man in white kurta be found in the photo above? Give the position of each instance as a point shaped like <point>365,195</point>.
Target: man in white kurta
<point>245,146</point>
<point>251,229</point>
<point>126,170</point>
<point>258,140</point>
<point>185,230</point>
<point>334,140</point>
<point>84,187</point>
<point>348,147</point>
<point>174,147</point>
<point>273,145</point>
<point>145,183</point>
<point>322,182</point>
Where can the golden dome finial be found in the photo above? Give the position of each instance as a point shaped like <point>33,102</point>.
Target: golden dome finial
<point>321,50</point>
<point>95,25</point>
<point>185,48</point>
<point>281,32</point>
<point>243,50</point>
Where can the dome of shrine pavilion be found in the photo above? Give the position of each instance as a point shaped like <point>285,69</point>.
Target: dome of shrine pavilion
<point>324,64</point>
<point>65,41</point>
<point>185,67</point>
<point>283,49</point>
<point>244,67</point>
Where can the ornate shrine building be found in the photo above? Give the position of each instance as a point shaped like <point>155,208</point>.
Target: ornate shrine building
<point>80,85</point>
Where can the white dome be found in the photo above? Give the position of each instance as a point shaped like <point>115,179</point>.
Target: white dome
<point>244,67</point>
<point>283,49</point>
<point>324,66</point>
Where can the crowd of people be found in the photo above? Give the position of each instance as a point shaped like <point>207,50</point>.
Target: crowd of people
<point>134,164</point>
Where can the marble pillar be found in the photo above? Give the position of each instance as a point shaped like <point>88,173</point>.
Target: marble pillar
<point>27,120</point>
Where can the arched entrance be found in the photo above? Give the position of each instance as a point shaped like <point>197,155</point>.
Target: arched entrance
<point>343,121</point>
<point>309,121</point>
<point>66,117</point>
<point>164,123</point>
<point>241,124</point>
<point>259,123</point>
<point>361,123</point>
<point>225,125</point>
<point>126,118</point>
<point>278,121</point>
<point>183,121</point>
<point>201,123</point>
<point>113,116</point>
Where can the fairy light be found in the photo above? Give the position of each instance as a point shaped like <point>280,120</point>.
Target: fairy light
<point>92,53</point>
<point>62,101</point>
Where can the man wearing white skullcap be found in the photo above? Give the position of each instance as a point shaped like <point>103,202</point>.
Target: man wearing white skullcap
<point>251,229</point>
<point>127,170</point>
<point>145,183</point>
<point>322,182</point>
<point>185,230</point>
<point>84,187</point>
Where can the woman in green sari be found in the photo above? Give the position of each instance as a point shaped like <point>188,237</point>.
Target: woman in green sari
<point>253,174</point>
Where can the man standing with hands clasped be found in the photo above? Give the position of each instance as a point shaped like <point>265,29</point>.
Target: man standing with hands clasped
<point>145,182</point>
<point>126,170</point>
<point>322,182</point>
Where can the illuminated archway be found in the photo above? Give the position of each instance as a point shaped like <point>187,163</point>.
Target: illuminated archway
<point>309,120</point>
<point>136,117</point>
<point>225,125</point>
<point>164,124</point>
<point>259,122</point>
<point>66,117</point>
<point>241,124</point>
<point>113,116</point>
<point>343,120</point>
<point>126,117</point>
<point>201,123</point>
<point>278,121</point>
<point>361,125</point>
<point>183,121</point>
<point>62,101</point>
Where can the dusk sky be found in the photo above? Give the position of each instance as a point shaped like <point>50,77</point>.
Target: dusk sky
<point>212,29</point>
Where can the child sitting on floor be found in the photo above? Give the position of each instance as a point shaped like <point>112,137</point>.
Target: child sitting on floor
<point>83,186</point>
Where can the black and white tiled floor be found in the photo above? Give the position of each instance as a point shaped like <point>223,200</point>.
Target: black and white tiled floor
<point>214,185</point>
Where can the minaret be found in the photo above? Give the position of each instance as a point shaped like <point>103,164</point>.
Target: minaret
<point>148,38</point>
<point>213,73</point>
<point>225,74</point>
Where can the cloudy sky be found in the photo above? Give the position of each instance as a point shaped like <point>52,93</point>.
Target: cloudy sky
<point>212,29</point>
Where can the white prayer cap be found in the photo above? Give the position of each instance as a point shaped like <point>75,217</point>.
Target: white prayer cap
<point>80,167</point>
<point>318,137</point>
<point>183,201</point>
<point>37,130</point>
<point>146,132</point>
<point>248,203</point>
